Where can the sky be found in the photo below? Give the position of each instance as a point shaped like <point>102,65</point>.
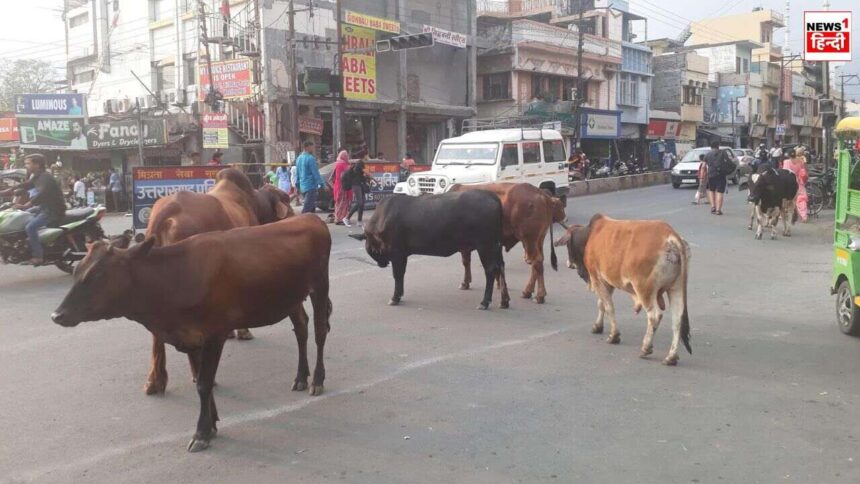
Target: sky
<point>36,28</point>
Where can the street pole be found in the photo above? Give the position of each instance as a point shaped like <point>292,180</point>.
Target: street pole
<point>577,123</point>
<point>294,80</point>
<point>732,102</point>
<point>336,111</point>
<point>139,132</point>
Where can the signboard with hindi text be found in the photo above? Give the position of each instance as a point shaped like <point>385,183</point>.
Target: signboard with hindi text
<point>150,184</point>
<point>827,36</point>
<point>216,131</point>
<point>8,129</point>
<point>371,22</point>
<point>358,70</point>
<point>441,36</point>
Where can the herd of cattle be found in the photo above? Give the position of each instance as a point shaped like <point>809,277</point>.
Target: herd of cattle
<point>239,258</point>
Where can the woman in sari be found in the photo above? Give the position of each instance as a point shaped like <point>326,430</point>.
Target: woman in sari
<point>342,194</point>
<point>796,163</point>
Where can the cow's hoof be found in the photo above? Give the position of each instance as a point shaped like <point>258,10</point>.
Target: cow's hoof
<point>299,386</point>
<point>526,295</point>
<point>758,236</point>
<point>198,444</point>
<point>484,306</point>
<point>316,390</point>
<point>786,234</point>
<point>645,352</point>
<point>539,300</point>
<point>244,335</point>
<point>614,339</point>
<point>464,286</point>
<point>394,301</point>
<point>671,360</point>
<point>154,387</point>
<point>595,329</point>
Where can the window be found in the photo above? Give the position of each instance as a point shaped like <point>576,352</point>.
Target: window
<point>510,156</point>
<point>531,152</point>
<point>159,10</point>
<point>190,69</point>
<point>628,92</point>
<point>85,76</point>
<point>553,151</point>
<point>567,87</point>
<point>79,20</point>
<point>737,65</point>
<point>766,33</point>
<point>745,66</point>
<point>689,95</point>
<point>497,86</point>
<point>165,77</point>
<point>538,85</point>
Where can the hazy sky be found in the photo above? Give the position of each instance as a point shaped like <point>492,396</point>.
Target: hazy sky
<point>35,29</point>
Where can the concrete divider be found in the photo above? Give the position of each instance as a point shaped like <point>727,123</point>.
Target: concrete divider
<point>612,184</point>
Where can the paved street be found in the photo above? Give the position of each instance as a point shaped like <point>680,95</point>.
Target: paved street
<point>436,391</point>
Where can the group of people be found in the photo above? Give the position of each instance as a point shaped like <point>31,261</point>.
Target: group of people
<point>350,185</point>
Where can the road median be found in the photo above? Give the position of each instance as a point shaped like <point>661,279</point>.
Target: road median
<point>613,184</point>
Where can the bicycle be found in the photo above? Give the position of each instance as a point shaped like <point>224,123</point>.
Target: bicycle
<point>821,190</point>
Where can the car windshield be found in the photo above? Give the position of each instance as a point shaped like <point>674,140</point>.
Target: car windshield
<point>693,155</point>
<point>467,154</point>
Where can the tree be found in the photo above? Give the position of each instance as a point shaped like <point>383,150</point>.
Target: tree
<point>23,76</point>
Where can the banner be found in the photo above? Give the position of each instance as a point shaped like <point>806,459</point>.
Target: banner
<point>216,130</point>
<point>358,70</point>
<point>150,184</point>
<point>232,78</point>
<point>52,134</point>
<point>123,134</point>
<point>827,36</point>
<point>440,36</point>
<point>8,129</point>
<point>600,125</point>
<point>50,105</point>
<point>311,125</point>
<point>371,22</point>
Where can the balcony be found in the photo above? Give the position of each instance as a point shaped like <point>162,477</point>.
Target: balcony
<point>516,8</point>
<point>529,32</point>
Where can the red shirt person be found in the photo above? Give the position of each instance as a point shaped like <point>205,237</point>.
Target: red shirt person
<point>216,159</point>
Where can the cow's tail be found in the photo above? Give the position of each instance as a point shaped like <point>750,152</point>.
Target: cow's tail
<point>685,317</point>
<point>553,259</point>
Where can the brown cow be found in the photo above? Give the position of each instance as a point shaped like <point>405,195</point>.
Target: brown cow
<point>192,294</point>
<point>645,258</point>
<point>232,203</point>
<point>528,213</point>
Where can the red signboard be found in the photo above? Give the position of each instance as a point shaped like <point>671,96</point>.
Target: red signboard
<point>787,85</point>
<point>8,129</point>
<point>827,36</point>
<point>662,128</point>
<point>311,125</point>
<point>232,78</point>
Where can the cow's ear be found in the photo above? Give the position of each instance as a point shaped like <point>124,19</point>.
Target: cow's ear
<point>563,240</point>
<point>142,249</point>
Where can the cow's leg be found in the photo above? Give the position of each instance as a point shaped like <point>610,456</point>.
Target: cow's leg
<point>759,217</point>
<point>490,262</point>
<point>654,317</point>
<point>773,221</point>
<point>506,297</point>
<point>676,303</point>
<point>534,258</point>
<point>398,267</point>
<point>597,327</point>
<point>156,382</point>
<point>206,426</point>
<point>787,212</point>
<point>604,292</point>
<point>322,312</point>
<point>300,326</point>
<point>467,269</point>
<point>752,216</point>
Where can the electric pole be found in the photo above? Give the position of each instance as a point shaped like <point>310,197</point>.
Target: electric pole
<point>842,78</point>
<point>294,80</point>
<point>578,100</point>
<point>337,111</point>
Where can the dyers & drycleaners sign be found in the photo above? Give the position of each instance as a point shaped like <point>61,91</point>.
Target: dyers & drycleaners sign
<point>124,134</point>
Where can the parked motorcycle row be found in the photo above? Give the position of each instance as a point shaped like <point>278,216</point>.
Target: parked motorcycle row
<point>588,169</point>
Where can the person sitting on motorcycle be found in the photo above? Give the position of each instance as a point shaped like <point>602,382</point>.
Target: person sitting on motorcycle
<point>47,204</point>
<point>762,156</point>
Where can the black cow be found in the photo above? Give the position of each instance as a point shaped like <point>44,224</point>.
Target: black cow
<point>772,194</point>
<point>438,225</point>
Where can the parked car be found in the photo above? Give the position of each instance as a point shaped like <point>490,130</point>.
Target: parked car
<point>686,172</point>
<point>744,157</point>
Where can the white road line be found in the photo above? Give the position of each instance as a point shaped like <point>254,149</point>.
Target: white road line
<point>265,414</point>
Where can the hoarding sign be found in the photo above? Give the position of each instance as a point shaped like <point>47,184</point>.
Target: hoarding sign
<point>150,184</point>
<point>440,36</point>
<point>52,133</point>
<point>232,78</point>
<point>827,36</point>
<point>8,129</point>
<point>311,125</point>
<point>371,22</point>
<point>358,70</point>
<point>50,105</point>
<point>601,125</point>
<point>124,134</point>
<point>216,131</point>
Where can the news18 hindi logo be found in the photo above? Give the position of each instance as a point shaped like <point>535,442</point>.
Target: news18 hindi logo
<point>827,36</point>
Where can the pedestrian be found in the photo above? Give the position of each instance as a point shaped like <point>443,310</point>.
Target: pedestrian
<point>342,188</point>
<point>216,159</point>
<point>776,155</point>
<point>360,188</point>
<point>115,185</point>
<point>308,177</point>
<point>271,178</point>
<point>295,183</point>
<point>408,162</point>
<point>703,182</point>
<point>46,203</point>
<point>283,178</point>
<point>80,191</point>
<point>380,156</point>
<point>717,160</point>
<point>195,158</point>
<point>668,160</point>
<point>796,163</point>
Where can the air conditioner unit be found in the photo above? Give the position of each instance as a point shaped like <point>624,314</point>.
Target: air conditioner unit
<point>167,97</point>
<point>124,105</point>
<point>826,106</point>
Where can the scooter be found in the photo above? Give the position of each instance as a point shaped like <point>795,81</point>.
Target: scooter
<point>64,245</point>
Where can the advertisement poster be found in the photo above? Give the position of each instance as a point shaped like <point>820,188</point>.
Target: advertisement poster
<point>8,129</point>
<point>150,184</point>
<point>371,22</point>
<point>313,126</point>
<point>216,131</point>
<point>232,78</point>
<point>51,105</point>
<point>52,134</point>
<point>601,125</point>
<point>124,134</point>
<point>359,70</point>
<point>728,98</point>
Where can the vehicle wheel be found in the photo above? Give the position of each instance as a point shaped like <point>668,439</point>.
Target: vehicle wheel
<point>847,313</point>
<point>676,185</point>
<point>815,199</point>
<point>66,266</point>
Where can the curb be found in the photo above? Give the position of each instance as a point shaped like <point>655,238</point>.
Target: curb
<point>613,184</point>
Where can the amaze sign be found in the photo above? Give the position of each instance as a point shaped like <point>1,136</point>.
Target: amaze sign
<point>827,36</point>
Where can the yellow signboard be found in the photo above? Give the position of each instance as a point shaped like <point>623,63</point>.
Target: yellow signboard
<point>372,22</point>
<point>358,69</point>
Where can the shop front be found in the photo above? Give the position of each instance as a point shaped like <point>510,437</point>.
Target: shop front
<point>599,130</point>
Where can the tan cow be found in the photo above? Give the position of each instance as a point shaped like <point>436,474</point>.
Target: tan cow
<point>645,258</point>
<point>528,214</point>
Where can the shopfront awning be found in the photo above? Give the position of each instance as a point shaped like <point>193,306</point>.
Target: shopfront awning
<point>710,133</point>
<point>663,128</point>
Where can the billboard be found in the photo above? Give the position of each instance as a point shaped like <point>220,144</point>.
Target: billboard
<point>150,184</point>
<point>50,105</point>
<point>53,133</point>
<point>232,78</point>
<point>124,134</point>
<point>8,129</point>
<point>601,125</point>
<point>216,130</point>
<point>728,98</point>
<point>358,70</point>
<point>371,22</point>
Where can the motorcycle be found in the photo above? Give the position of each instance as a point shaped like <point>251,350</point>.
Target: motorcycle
<point>64,245</point>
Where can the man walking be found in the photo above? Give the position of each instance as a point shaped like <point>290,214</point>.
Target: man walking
<point>308,177</point>
<point>46,204</point>
<point>776,155</point>
<point>80,189</point>
<point>716,177</point>
<point>115,183</point>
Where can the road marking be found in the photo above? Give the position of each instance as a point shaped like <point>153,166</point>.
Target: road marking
<point>269,413</point>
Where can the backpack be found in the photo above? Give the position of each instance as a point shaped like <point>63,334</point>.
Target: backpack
<point>346,180</point>
<point>726,166</point>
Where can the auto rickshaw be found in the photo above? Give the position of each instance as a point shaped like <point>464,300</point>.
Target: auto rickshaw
<point>846,240</point>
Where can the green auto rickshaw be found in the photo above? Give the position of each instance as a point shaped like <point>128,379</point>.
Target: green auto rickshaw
<point>846,240</point>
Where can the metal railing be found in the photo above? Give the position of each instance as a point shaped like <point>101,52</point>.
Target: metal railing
<point>241,32</point>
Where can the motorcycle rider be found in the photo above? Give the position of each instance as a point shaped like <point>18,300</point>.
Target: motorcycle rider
<point>47,205</point>
<point>761,157</point>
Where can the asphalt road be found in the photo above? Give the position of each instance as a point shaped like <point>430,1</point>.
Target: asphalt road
<point>436,391</point>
